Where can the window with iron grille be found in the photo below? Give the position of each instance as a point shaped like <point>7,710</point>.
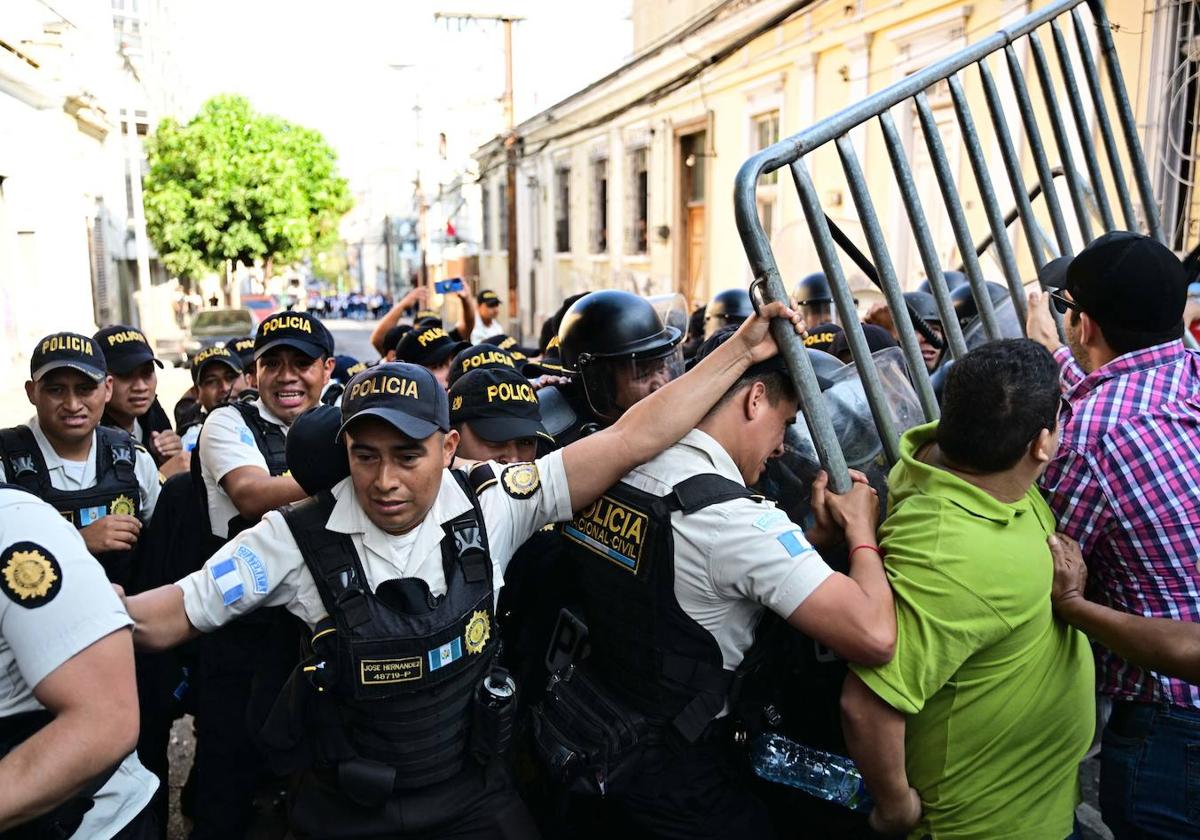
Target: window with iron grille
<point>562,210</point>
<point>766,133</point>
<point>637,201</point>
<point>600,206</point>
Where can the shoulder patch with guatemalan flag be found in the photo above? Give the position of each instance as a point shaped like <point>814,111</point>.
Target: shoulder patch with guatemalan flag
<point>793,542</point>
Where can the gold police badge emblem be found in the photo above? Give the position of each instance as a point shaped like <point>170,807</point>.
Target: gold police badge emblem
<point>479,630</point>
<point>122,505</point>
<point>457,403</point>
<point>521,480</point>
<point>31,575</point>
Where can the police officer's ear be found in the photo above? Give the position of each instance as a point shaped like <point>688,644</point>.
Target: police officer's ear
<point>754,400</point>
<point>107,388</point>
<point>449,446</point>
<point>330,363</point>
<point>30,389</point>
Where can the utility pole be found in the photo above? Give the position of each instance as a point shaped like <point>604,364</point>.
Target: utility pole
<point>387,244</point>
<point>510,144</point>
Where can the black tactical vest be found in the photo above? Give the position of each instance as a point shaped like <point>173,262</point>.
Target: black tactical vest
<point>115,491</point>
<point>406,665</point>
<point>645,647</point>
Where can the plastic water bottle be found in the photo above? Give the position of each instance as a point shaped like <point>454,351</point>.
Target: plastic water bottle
<point>833,778</point>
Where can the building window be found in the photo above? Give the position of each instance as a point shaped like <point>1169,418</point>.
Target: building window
<point>766,133</point>
<point>562,210</point>
<point>486,199</point>
<point>502,231</point>
<point>599,206</point>
<point>638,198</point>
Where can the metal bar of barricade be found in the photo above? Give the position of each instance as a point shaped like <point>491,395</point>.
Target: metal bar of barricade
<point>1128,125</point>
<point>844,301</point>
<point>1087,147</point>
<point>1037,147</point>
<point>1103,123</point>
<point>1059,129</point>
<point>886,276</point>
<point>920,227</point>
<point>987,194</point>
<point>958,218</point>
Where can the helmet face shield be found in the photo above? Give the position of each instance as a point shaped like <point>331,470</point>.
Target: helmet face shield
<point>614,385</point>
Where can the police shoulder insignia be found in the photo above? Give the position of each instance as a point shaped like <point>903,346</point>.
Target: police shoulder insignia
<point>479,630</point>
<point>31,576</point>
<point>521,480</point>
<point>122,505</point>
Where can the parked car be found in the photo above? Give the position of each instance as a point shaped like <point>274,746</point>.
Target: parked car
<point>261,306</point>
<point>217,326</point>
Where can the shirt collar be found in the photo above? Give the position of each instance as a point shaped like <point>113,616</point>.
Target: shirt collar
<point>348,517</point>
<point>1135,361</point>
<point>52,459</point>
<point>723,465</point>
<point>266,414</point>
<point>911,476</point>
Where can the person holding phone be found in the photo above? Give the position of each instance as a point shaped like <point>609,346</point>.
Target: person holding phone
<point>488,324</point>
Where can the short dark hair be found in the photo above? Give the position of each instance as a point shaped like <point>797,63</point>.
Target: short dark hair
<point>1122,341</point>
<point>997,398</point>
<point>776,384</point>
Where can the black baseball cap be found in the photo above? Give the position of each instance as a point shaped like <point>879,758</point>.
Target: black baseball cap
<point>1130,282</point>
<point>877,339</point>
<point>315,457</point>
<point>499,404</point>
<point>214,355</point>
<point>299,330</point>
<point>427,316</point>
<point>550,364</point>
<point>342,365</point>
<point>509,344</point>
<point>479,357</point>
<point>487,296</point>
<point>125,348</point>
<point>244,349</point>
<point>67,349</point>
<point>1053,275</point>
<point>823,337</point>
<point>406,396</point>
<point>427,346</point>
<point>391,338</point>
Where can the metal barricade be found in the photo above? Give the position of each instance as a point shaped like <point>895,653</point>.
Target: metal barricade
<point>1071,134</point>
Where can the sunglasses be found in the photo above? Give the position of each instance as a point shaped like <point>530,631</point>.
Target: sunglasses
<point>1062,303</point>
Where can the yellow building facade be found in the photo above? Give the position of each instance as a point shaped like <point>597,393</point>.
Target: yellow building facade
<point>629,182</point>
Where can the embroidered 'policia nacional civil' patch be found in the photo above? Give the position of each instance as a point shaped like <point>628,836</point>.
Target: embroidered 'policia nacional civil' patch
<point>29,574</point>
<point>521,480</point>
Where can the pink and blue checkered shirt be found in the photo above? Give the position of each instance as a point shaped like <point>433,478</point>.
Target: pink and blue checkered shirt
<point>1126,485</point>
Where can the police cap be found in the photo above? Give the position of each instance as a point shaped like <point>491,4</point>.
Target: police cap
<point>244,348</point>
<point>406,396</point>
<point>479,357</point>
<point>428,346</point>
<point>214,355</point>
<point>298,330</point>
<point>315,458</point>
<point>125,349</point>
<point>500,405</point>
<point>67,349</point>
<point>510,345</point>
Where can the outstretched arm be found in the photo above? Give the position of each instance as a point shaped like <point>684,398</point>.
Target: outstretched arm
<point>598,461</point>
<point>414,296</point>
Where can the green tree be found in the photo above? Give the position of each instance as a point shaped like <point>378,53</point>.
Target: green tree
<point>233,184</point>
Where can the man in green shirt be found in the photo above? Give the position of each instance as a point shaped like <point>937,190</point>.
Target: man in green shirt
<point>976,727</point>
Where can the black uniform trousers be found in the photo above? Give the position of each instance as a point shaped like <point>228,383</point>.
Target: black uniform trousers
<point>478,804</point>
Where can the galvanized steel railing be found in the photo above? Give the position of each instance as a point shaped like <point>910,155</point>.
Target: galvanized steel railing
<point>1082,191</point>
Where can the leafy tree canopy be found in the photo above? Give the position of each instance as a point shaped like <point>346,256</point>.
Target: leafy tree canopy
<point>233,184</point>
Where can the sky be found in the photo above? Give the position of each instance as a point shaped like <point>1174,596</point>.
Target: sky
<point>328,65</point>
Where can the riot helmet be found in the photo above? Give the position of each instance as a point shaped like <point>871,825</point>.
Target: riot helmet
<point>814,298</point>
<point>954,279</point>
<point>923,306</point>
<point>731,306</point>
<point>965,307</point>
<point>616,346</point>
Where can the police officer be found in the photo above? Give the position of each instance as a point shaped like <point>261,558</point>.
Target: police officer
<point>495,412</point>
<point>397,576</point>
<point>217,377</point>
<point>679,562</point>
<point>924,306</point>
<point>617,351</point>
<point>134,404</point>
<point>731,306</point>
<point>98,478</point>
<point>243,467</point>
<point>69,713</point>
<point>432,348</point>
<point>814,298</point>
<point>478,357</point>
<point>344,368</point>
<point>488,325</point>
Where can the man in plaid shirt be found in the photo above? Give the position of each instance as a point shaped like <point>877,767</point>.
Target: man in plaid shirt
<point>1124,485</point>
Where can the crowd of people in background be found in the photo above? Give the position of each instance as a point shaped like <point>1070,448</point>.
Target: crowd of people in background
<point>478,588</point>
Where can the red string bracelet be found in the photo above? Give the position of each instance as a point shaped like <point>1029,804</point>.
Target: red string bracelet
<point>874,548</point>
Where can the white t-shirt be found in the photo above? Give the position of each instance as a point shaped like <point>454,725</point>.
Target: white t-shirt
<point>483,331</point>
<point>226,443</point>
<point>735,558</point>
<point>262,566</point>
<point>36,639</point>
<point>66,475</point>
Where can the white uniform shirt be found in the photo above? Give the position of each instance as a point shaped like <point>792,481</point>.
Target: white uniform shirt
<point>34,641</point>
<point>735,558</point>
<point>482,331</point>
<point>226,443</point>
<point>268,570</point>
<point>63,477</point>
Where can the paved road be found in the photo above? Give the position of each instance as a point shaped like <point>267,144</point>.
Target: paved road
<point>353,338</point>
